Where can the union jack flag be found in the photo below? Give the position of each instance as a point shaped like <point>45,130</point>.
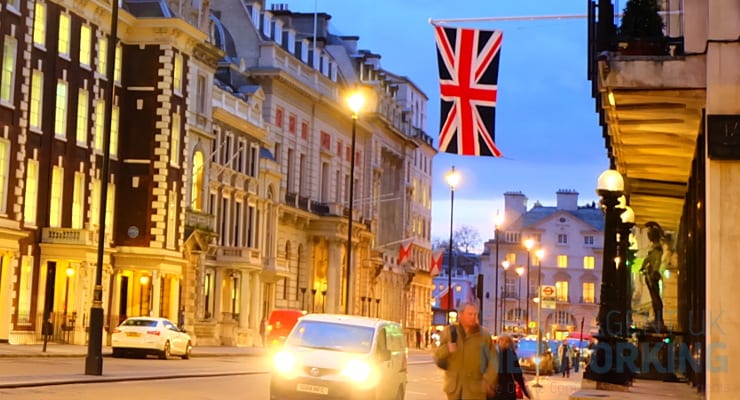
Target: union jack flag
<point>468,62</point>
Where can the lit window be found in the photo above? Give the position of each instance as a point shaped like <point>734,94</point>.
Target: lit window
<point>110,206</point>
<point>78,201</point>
<point>34,114</point>
<point>561,291</point>
<point>60,112</point>
<point>562,261</point>
<point>30,196</point>
<point>588,292</point>
<point>114,126</point>
<point>117,70</point>
<point>99,124</point>
<point>95,203</point>
<point>63,40</point>
<point>7,80</point>
<point>25,287</point>
<point>588,262</point>
<point>177,79</point>
<point>83,104</point>
<point>39,24</point>
<point>196,191</point>
<point>4,162</point>
<point>175,140</point>
<point>85,43</point>
<point>55,206</point>
<point>102,55</point>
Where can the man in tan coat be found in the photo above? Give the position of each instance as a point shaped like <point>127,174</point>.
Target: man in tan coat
<point>471,359</point>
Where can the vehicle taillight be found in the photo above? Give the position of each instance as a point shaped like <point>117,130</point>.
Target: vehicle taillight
<point>153,333</point>
<point>116,330</point>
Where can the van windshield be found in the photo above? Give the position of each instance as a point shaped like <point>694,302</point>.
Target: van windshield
<point>326,335</point>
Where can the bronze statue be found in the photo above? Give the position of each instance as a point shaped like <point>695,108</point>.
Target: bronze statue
<point>651,270</point>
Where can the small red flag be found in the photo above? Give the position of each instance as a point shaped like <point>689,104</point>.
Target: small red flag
<point>404,252</point>
<point>436,267</point>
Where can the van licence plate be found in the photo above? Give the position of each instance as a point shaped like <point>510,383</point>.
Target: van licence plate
<point>302,387</point>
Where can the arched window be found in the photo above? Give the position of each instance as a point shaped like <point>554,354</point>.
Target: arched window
<point>196,190</point>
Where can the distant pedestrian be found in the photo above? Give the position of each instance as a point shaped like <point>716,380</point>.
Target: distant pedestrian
<point>564,354</point>
<point>263,332</point>
<point>426,338</point>
<point>418,339</point>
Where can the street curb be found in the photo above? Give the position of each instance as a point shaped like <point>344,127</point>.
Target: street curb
<point>107,379</point>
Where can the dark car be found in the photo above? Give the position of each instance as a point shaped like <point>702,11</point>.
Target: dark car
<point>527,352</point>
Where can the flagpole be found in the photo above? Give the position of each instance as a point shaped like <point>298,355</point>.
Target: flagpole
<point>529,18</point>
<point>513,18</point>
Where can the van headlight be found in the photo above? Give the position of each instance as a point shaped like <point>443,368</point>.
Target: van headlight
<point>285,362</point>
<point>358,371</point>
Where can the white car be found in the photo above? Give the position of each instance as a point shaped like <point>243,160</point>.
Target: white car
<point>341,357</point>
<point>149,335</point>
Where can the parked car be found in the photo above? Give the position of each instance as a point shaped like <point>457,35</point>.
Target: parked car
<point>331,356</point>
<point>280,323</point>
<point>148,335</point>
<point>527,352</point>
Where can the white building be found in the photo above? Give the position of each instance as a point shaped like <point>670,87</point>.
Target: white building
<point>571,237</point>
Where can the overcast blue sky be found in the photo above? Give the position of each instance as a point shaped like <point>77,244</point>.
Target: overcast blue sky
<point>546,125</point>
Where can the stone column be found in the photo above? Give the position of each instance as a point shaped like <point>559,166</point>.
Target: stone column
<point>255,298</point>
<point>174,311</point>
<point>245,308</point>
<point>722,199</point>
<point>218,294</point>
<point>334,289</point>
<point>155,290</point>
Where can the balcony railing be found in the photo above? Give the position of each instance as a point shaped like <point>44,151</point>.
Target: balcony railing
<point>70,236</point>
<point>200,220</point>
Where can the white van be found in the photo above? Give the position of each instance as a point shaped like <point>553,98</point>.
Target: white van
<point>329,356</point>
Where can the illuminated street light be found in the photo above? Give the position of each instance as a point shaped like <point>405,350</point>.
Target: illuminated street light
<point>505,264</point>
<point>520,271</point>
<point>452,178</point>
<point>355,102</point>
<point>497,221</point>
<point>529,245</point>
<point>540,253</point>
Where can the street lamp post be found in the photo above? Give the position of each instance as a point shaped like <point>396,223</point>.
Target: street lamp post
<point>611,346</point>
<point>520,272</point>
<point>528,244</point>
<point>94,357</point>
<point>497,223</point>
<point>453,178</point>
<point>505,264</point>
<point>539,253</point>
<point>355,101</point>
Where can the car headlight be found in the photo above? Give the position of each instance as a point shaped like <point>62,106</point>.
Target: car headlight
<point>358,371</point>
<point>285,362</point>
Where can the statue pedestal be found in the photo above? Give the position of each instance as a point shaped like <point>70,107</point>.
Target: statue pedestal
<point>656,354</point>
